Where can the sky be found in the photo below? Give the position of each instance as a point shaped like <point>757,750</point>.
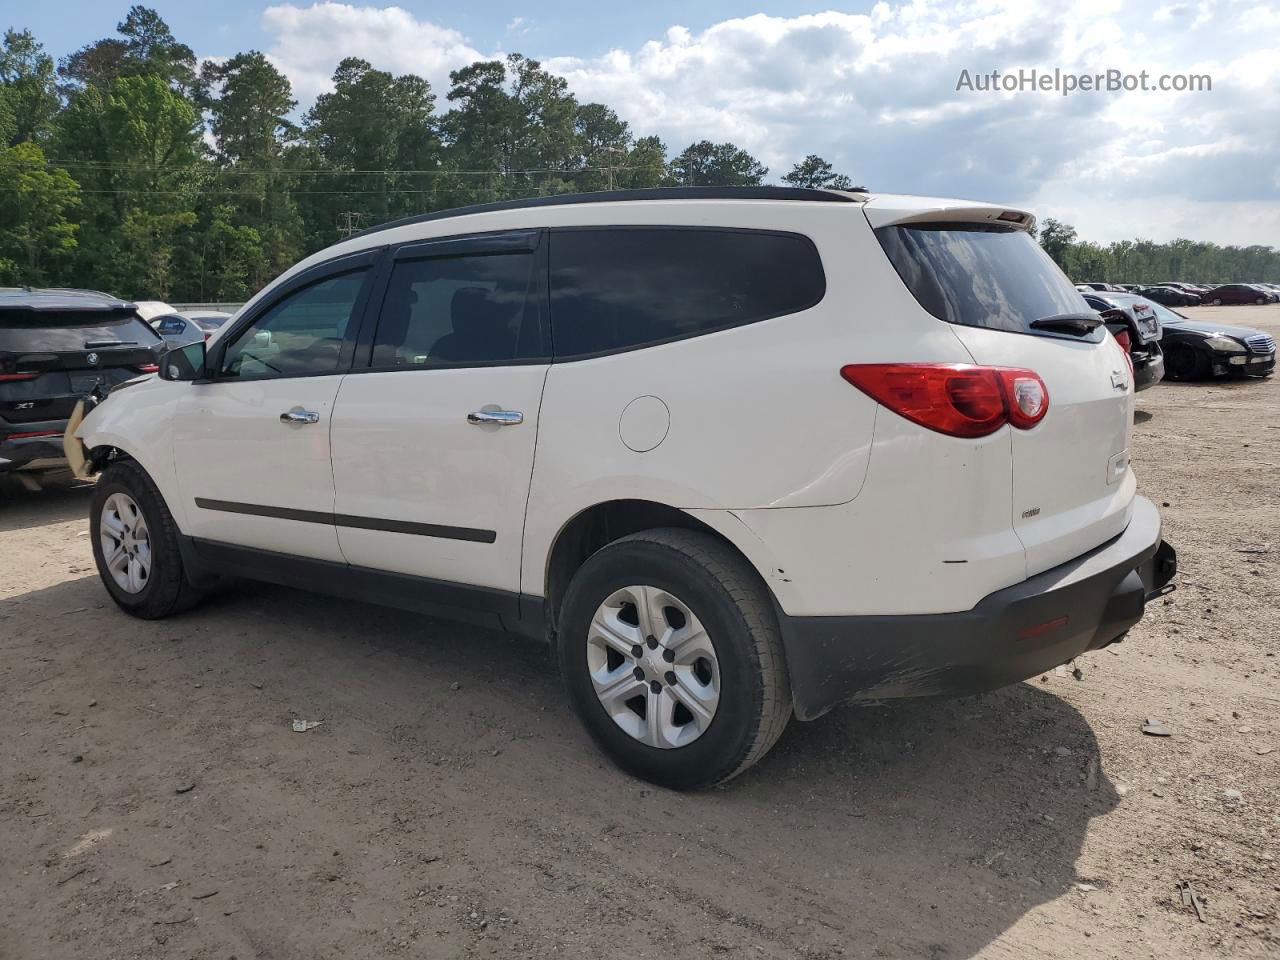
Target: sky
<point>871,87</point>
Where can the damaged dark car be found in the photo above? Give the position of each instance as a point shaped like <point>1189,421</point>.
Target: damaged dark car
<point>57,347</point>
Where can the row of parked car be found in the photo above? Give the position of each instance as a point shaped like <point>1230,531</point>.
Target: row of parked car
<point>1163,343</point>
<point>1172,294</point>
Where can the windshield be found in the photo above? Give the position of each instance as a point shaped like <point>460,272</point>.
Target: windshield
<point>1163,313</point>
<point>980,275</point>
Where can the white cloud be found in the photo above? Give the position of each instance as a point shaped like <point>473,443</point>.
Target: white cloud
<point>309,42</point>
<point>876,94</point>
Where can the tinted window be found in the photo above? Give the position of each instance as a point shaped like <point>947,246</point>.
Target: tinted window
<point>619,288</point>
<point>302,334</point>
<point>452,310</point>
<point>55,331</point>
<point>979,276</point>
<point>171,325</point>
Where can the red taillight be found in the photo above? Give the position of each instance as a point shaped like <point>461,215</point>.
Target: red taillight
<point>206,336</point>
<point>148,368</point>
<point>958,399</point>
<point>1126,344</point>
<point>7,377</point>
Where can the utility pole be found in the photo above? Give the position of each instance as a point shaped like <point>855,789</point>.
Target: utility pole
<point>609,168</point>
<point>349,222</point>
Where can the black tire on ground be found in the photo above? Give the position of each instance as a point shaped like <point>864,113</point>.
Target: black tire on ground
<point>1186,363</point>
<point>168,590</point>
<point>733,604</point>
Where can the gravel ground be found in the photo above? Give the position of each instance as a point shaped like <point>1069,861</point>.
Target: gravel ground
<point>155,802</point>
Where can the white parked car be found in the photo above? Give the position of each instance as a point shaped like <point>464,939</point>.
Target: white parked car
<point>737,453</point>
<point>189,325</point>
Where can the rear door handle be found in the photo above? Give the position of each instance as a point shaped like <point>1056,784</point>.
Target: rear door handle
<point>298,415</point>
<point>503,418</point>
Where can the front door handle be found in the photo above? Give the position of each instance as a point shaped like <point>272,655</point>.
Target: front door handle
<point>298,415</point>
<point>503,418</point>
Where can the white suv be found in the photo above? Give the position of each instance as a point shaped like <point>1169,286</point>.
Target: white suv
<point>738,453</point>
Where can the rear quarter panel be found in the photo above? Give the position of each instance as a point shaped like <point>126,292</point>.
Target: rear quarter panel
<point>760,418</point>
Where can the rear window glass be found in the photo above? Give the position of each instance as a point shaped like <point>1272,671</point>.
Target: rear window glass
<point>616,289</point>
<point>45,331</point>
<point>980,275</point>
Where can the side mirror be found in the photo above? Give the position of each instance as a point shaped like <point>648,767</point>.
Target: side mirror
<point>183,363</point>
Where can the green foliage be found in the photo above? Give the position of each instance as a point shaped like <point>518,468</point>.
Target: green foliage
<point>815,172</point>
<point>145,46</point>
<point>1148,262</point>
<point>129,169</point>
<point>707,164</point>
<point>36,236</point>
<point>1056,237</point>
<point>28,90</point>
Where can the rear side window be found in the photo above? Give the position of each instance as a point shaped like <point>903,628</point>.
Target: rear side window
<point>617,289</point>
<point>980,275</point>
<point>459,310</point>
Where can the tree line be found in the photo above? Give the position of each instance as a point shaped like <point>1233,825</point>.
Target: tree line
<point>1144,261</point>
<point>130,166</point>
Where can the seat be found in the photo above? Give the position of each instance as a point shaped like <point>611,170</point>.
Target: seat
<point>481,328</point>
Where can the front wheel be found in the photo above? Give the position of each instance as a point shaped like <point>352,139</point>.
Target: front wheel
<point>135,544</point>
<point>672,658</point>
<point>1186,363</point>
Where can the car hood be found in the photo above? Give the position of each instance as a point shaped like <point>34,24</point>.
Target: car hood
<point>1209,329</point>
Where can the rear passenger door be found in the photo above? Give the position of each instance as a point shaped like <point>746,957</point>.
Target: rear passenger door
<point>433,436</point>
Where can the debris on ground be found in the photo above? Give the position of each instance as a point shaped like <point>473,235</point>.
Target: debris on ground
<point>302,726</point>
<point>1192,899</point>
<point>1156,728</point>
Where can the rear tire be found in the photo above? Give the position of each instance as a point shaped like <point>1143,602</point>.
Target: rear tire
<point>135,545</point>
<point>695,585</point>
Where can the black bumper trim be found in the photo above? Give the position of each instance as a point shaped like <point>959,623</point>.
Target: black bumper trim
<point>1010,635</point>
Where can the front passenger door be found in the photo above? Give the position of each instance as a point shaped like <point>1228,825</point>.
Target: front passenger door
<point>251,444</point>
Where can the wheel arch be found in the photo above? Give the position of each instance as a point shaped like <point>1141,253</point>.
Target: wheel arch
<point>596,526</point>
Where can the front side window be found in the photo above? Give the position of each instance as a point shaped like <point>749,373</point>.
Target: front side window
<point>301,335</point>
<point>468,310</point>
<point>616,289</point>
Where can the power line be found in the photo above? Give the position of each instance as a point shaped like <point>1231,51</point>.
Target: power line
<point>107,165</point>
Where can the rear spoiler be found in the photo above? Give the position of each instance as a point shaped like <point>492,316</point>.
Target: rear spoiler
<point>894,211</point>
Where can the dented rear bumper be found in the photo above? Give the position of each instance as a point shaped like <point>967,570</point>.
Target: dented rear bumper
<point>1008,636</point>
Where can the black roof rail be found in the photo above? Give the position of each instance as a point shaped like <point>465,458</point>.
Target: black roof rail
<point>616,196</point>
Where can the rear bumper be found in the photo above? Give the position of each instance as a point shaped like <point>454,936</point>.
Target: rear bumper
<point>1008,636</point>
<point>1148,366</point>
<point>31,451</point>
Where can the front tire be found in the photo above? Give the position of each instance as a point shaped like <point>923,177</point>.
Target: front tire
<point>671,654</point>
<point>135,544</point>
<point>1186,363</point>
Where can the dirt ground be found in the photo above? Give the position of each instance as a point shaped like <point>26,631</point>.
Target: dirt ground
<point>155,801</point>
